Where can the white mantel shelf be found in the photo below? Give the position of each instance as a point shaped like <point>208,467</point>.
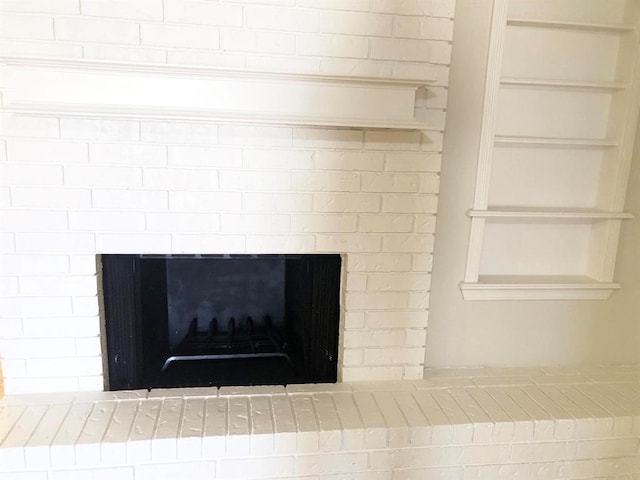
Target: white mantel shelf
<point>200,94</point>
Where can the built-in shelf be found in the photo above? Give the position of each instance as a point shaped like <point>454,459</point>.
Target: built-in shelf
<point>562,213</point>
<point>555,83</point>
<point>554,142</point>
<point>543,287</point>
<point>202,94</point>
<point>566,25</point>
<point>560,110</point>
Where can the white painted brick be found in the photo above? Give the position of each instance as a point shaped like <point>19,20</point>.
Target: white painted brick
<point>377,301</point>
<point>129,199</point>
<point>356,282</point>
<point>281,244</point>
<point>92,30</point>
<point>385,223</point>
<point>55,243</point>
<point>138,10</point>
<point>34,27</point>
<point>323,223</point>
<point>8,286</point>
<point>98,129</point>
<point>438,74</point>
<point>180,36</point>
<point>208,244</point>
<point>178,178</point>
<point>423,28</point>
<point>407,7</point>
<point>129,154</point>
<point>211,58</point>
<point>61,327</point>
<point>352,357</point>
<point>102,176</point>
<point>326,181</point>
<point>340,243</point>
<point>88,346</point>
<point>33,220</point>
<point>255,135</point>
<point>58,285</point>
<point>132,243</point>
<point>351,161</point>
<point>399,281</point>
<point>391,356</point>
<point>389,182</point>
<point>277,202</point>
<point>354,320</point>
<point>390,140</point>
<point>25,126</point>
<point>121,473</point>
<point>37,348</point>
<point>179,132</point>
<point>380,262</point>
<point>29,151</point>
<point>170,471</point>
<point>54,367</point>
<point>50,197</point>
<point>183,222</point>
<point>373,338</point>
<point>259,42</point>
<point>207,201</point>
<point>346,203</point>
<point>356,67</point>
<point>5,197</point>
<point>431,51</point>
<point>94,221</point>
<point>261,181</point>
<point>397,319</point>
<point>86,306</point>
<point>327,138</point>
<point>256,223</point>
<point>274,467</point>
<point>407,243</point>
<point>354,5</point>
<point>283,19</point>
<point>332,46</point>
<point>40,6</point>
<point>400,203</point>
<point>34,264</point>
<point>39,385</point>
<point>429,183</point>
<point>82,264</point>
<point>278,159</point>
<point>205,156</point>
<point>30,174</point>
<point>356,24</point>
<point>274,63</point>
<point>422,263</point>
<point>27,48</point>
<point>204,13</point>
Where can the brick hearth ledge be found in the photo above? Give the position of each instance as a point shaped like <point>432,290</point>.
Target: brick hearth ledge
<point>542,423</point>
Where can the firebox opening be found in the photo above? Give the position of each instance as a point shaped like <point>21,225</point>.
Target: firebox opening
<point>215,320</point>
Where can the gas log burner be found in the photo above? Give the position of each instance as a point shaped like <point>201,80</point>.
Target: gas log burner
<point>214,320</point>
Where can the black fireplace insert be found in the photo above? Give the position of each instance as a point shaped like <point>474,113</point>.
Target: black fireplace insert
<point>216,320</point>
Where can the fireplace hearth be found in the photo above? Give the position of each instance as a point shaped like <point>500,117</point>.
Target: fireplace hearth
<point>220,320</point>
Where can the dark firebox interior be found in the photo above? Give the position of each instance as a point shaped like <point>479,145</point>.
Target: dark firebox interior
<point>220,320</point>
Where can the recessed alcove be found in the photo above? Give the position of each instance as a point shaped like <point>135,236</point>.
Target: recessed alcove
<point>214,320</point>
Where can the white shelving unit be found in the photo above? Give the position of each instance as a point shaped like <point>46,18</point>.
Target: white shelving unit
<point>561,104</point>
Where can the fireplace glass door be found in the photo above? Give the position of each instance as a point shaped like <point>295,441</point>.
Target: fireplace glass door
<point>215,320</point>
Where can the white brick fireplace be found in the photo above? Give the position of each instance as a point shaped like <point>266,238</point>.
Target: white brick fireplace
<point>76,185</point>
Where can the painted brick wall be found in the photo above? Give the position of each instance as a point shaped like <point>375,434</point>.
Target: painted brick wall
<point>72,188</point>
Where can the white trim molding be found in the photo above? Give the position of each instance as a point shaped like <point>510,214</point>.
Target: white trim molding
<point>92,88</point>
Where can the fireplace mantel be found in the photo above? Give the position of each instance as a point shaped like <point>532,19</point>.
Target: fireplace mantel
<point>201,94</point>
